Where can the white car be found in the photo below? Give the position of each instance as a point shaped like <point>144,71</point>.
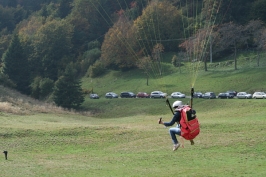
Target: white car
<point>158,94</point>
<point>243,95</point>
<point>178,95</point>
<point>259,95</point>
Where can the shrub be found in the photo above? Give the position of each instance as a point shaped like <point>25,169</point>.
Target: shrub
<point>96,69</point>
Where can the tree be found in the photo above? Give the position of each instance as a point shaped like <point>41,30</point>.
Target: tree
<point>16,65</point>
<point>53,47</point>
<point>156,56</point>
<point>257,34</point>
<point>145,64</point>
<point>196,46</point>
<point>160,22</point>
<point>258,10</point>
<point>120,49</point>
<point>231,36</point>
<point>68,92</point>
<point>64,8</point>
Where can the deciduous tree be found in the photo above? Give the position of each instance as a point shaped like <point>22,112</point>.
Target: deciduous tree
<point>119,49</point>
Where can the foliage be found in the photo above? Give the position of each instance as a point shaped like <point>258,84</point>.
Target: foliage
<point>94,44</point>
<point>5,39</point>
<point>53,45</point>
<point>16,65</point>
<point>236,11</point>
<point>68,92</point>
<point>92,55</point>
<point>119,46</point>
<point>152,26</point>
<point>5,81</point>
<point>41,87</point>
<point>11,16</point>
<point>257,11</point>
<point>96,69</point>
<point>54,33</point>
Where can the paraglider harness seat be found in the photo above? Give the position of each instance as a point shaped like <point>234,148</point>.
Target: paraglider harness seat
<point>189,123</point>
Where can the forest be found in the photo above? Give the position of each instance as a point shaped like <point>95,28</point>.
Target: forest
<point>46,46</point>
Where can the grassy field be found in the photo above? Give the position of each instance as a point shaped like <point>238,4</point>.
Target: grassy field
<point>231,143</point>
<point>121,137</point>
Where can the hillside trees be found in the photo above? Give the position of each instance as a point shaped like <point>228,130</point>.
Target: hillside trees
<point>64,8</point>
<point>90,56</point>
<point>52,47</point>
<point>16,65</point>
<point>258,10</point>
<point>5,39</point>
<point>119,49</point>
<point>196,46</point>
<point>162,23</point>
<point>236,11</point>
<point>68,92</point>
<point>257,35</point>
<point>91,20</point>
<point>231,36</point>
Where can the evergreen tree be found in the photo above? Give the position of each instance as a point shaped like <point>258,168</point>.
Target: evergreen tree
<point>68,91</point>
<point>16,66</point>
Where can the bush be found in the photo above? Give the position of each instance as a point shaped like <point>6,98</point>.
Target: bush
<point>46,87</point>
<point>41,87</point>
<point>96,69</point>
<point>5,81</point>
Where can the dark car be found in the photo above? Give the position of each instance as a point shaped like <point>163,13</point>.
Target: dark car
<point>94,96</point>
<point>225,95</point>
<point>143,95</point>
<point>209,95</point>
<point>197,95</point>
<point>127,95</point>
<point>232,92</point>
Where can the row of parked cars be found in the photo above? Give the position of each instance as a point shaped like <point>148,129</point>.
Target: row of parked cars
<point>230,94</point>
<point>154,94</point>
<point>160,94</point>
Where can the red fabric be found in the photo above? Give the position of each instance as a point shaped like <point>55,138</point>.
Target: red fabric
<point>189,129</point>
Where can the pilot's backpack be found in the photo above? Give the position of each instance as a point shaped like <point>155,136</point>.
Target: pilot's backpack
<point>190,126</point>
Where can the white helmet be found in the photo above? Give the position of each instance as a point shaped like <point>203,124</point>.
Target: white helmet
<point>177,104</point>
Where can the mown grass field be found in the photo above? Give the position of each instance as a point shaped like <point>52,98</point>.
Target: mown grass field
<point>121,137</point>
<point>231,143</point>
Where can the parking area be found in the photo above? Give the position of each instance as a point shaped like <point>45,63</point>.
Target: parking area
<point>180,95</point>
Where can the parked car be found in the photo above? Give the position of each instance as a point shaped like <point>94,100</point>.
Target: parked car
<point>94,96</point>
<point>197,95</point>
<point>259,95</point>
<point>111,95</point>
<point>225,95</point>
<point>232,92</point>
<point>127,95</point>
<point>243,95</point>
<point>158,94</point>
<point>143,95</point>
<point>178,95</point>
<point>209,95</point>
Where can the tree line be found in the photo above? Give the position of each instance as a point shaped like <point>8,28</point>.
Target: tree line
<point>48,45</point>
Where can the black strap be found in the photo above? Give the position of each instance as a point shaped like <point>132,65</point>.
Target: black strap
<point>168,103</point>
<point>191,98</point>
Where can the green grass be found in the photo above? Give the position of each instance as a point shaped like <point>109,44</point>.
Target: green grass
<point>231,143</point>
<point>248,77</point>
<point>121,137</point>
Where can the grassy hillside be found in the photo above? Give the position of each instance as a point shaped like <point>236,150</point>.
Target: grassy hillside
<point>121,137</point>
<point>220,77</point>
